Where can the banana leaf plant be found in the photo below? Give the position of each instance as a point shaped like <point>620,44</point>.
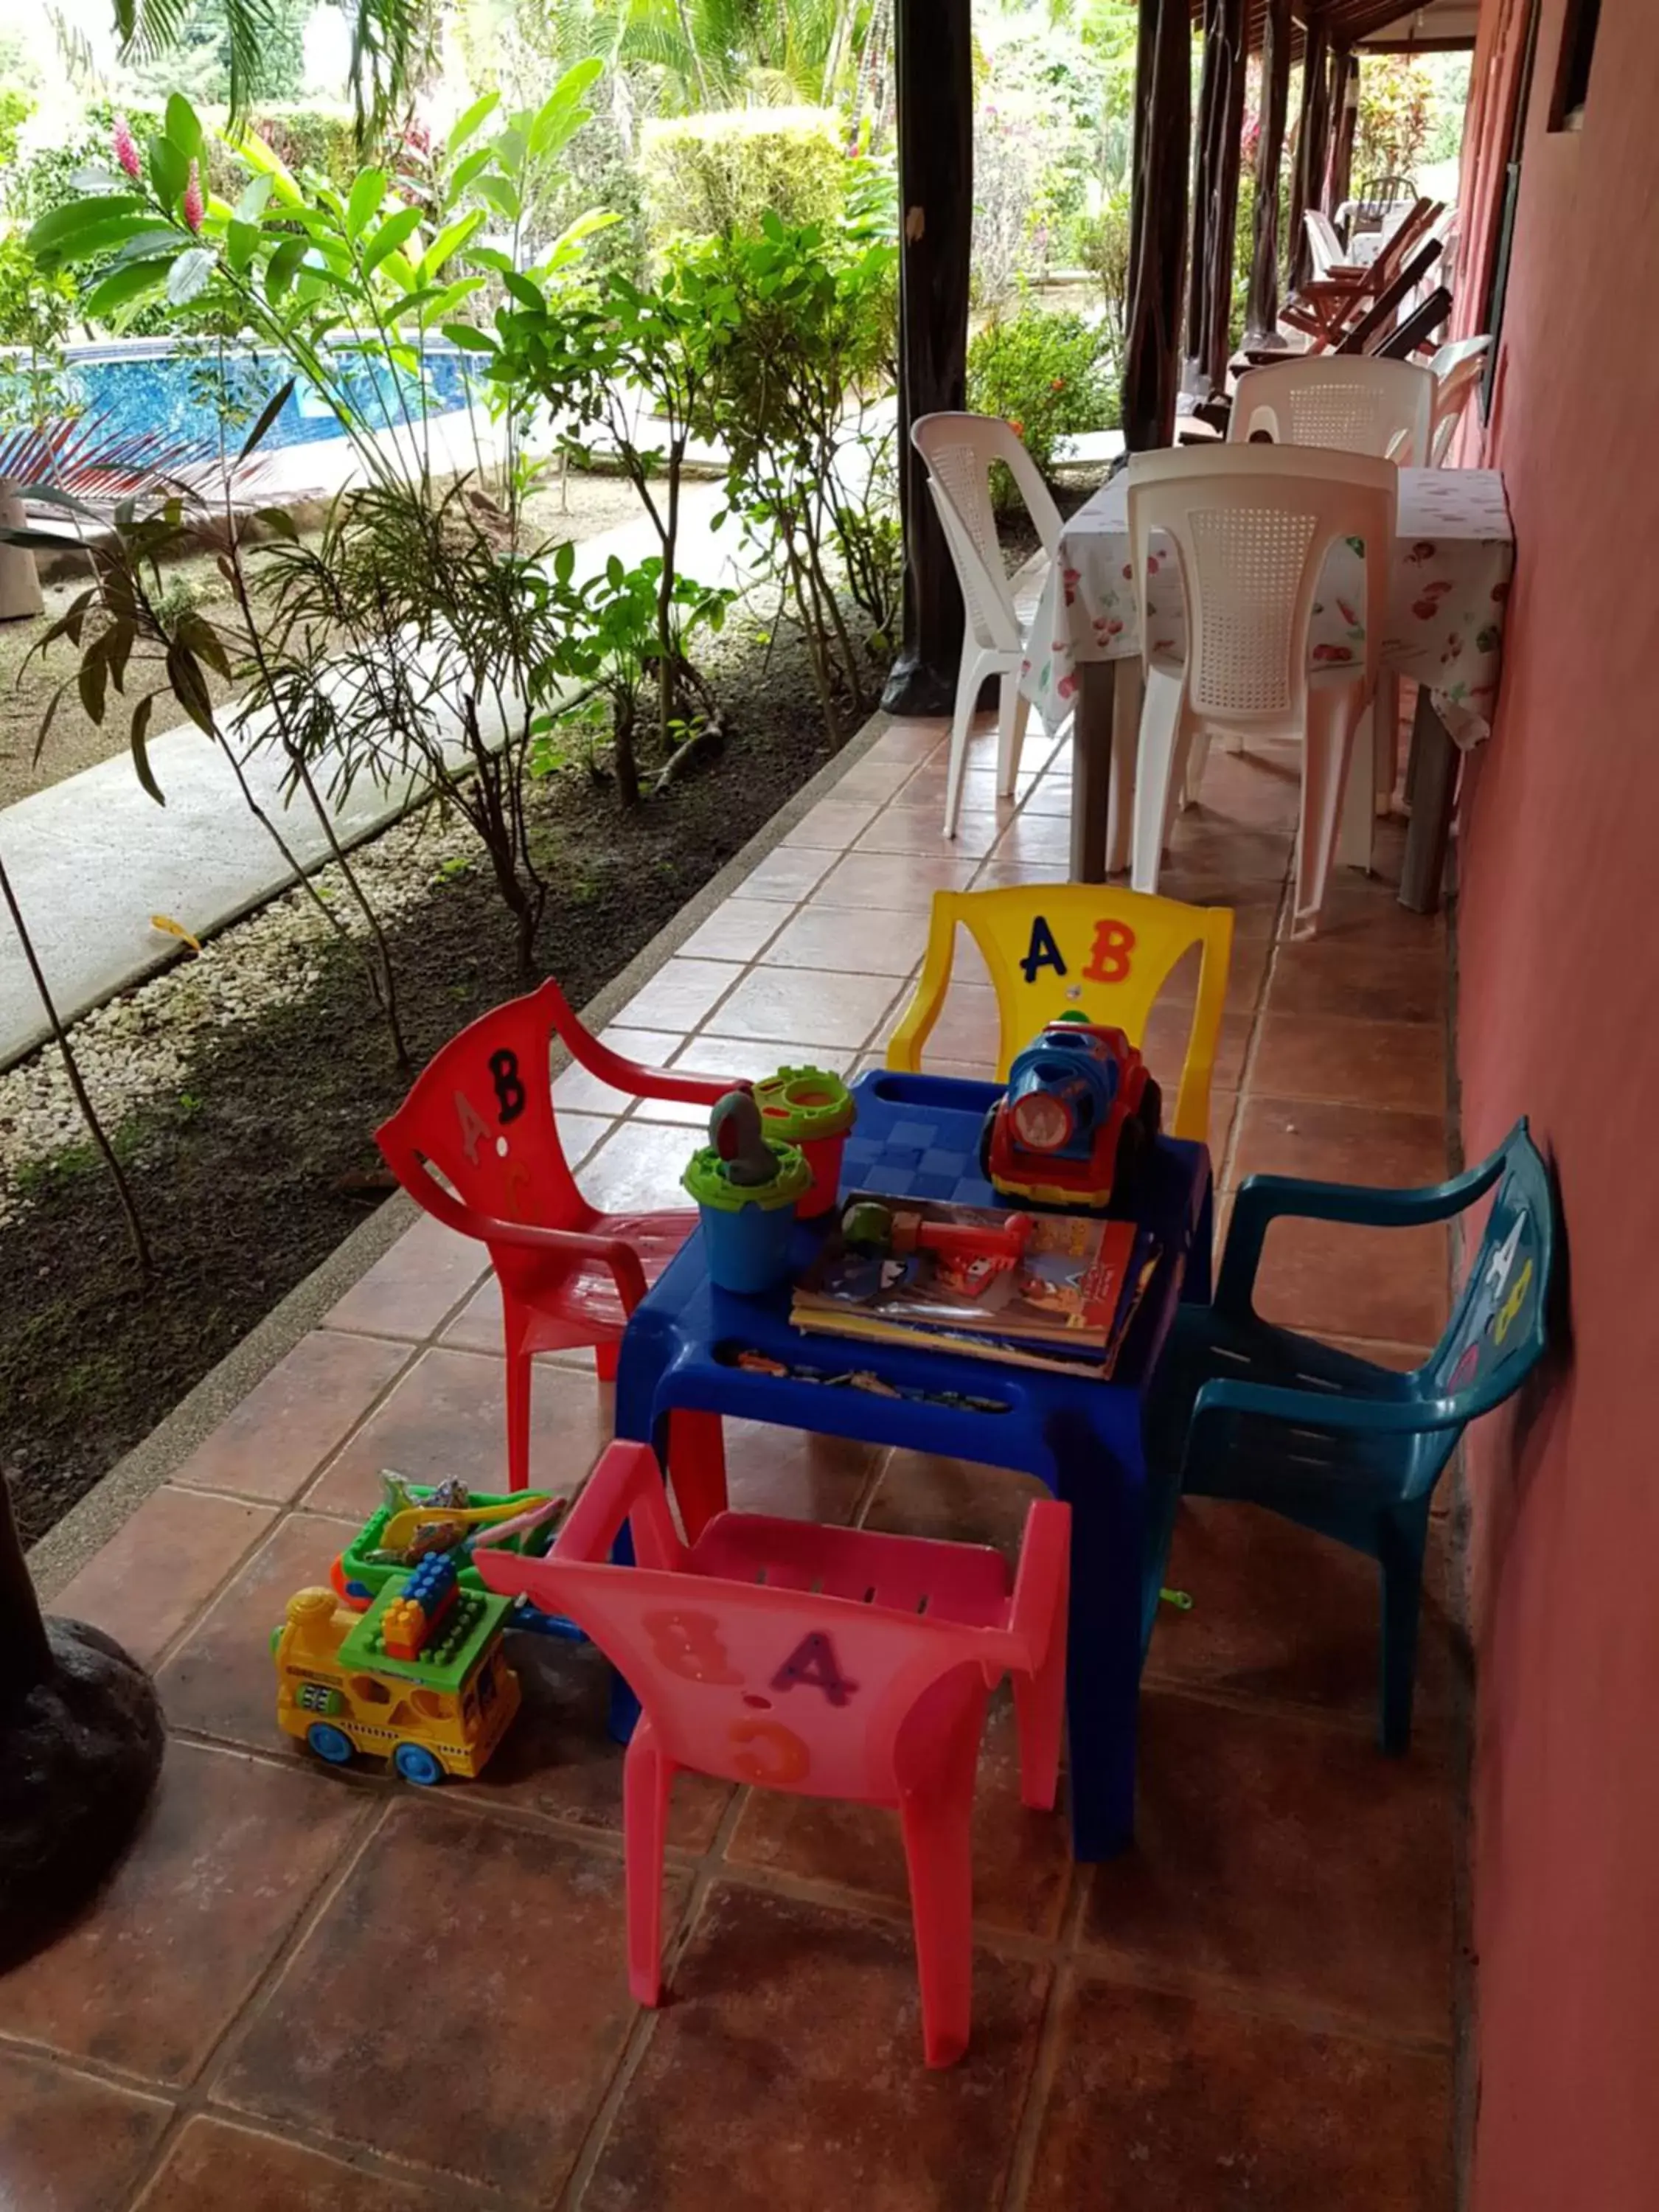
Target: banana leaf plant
<point>328,280</point>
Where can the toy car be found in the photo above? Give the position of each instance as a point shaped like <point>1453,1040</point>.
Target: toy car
<point>420,1679</point>
<point>1077,1120</point>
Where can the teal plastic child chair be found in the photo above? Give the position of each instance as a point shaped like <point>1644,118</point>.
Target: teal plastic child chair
<point>1346,1449</point>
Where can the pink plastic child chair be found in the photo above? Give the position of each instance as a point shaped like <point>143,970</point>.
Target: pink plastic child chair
<point>481,1114</point>
<point>832,1663</point>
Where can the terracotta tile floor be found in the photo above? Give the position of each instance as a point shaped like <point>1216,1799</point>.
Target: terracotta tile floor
<point>305,1987</point>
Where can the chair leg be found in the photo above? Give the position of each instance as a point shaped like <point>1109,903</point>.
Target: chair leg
<point>969,676</point>
<point>1126,739</point>
<point>606,1357</point>
<point>1356,823</point>
<point>1402,1538</point>
<point>1328,742</point>
<point>1197,753</point>
<point>937,1824</point>
<point>1013,710</point>
<point>518,1368</point>
<point>1161,719</point>
<point>696,1467</point>
<point>1385,757</point>
<point>647,1777</point>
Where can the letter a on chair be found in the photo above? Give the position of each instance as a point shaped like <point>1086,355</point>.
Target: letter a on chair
<point>832,1663</point>
<point>1054,948</point>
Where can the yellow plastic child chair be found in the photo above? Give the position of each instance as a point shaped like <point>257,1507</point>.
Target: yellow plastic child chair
<point>1055,949</point>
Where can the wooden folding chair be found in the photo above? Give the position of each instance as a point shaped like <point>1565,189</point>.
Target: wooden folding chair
<point>1377,321</point>
<point>1327,308</point>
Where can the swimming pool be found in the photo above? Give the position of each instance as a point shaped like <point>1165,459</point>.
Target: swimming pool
<point>159,386</point>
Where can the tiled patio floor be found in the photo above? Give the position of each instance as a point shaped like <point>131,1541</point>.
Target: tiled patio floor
<point>317,1990</point>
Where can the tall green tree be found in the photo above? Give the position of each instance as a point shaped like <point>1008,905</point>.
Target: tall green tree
<point>392,43</point>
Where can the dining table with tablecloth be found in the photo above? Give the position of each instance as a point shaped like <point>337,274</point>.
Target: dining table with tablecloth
<point>1450,571</point>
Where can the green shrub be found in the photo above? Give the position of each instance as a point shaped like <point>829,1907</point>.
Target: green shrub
<point>706,176</point>
<point>16,108</point>
<point>35,309</point>
<point>812,343</point>
<point>1046,374</point>
<point>1103,244</point>
<point>598,171</point>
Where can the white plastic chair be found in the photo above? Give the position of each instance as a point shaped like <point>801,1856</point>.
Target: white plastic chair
<point>1251,526</point>
<point>1456,369</point>
<point>959,451</point>
<point>1323,244</point>
<point>1347,402</point>
<point>1350,404</point>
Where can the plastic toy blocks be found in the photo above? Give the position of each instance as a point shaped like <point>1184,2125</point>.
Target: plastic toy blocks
<point>412,1618</point>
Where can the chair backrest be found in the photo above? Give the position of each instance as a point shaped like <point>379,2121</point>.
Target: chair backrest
<point>1251,526</point>
<point>481,1114</point>
<point>1382,317</point>
<point>1499,1326</point>
<point>1323,244</point>
<point>782,1681</point>
<point>1414,333</point>
<point>960,450</point>
<point>1454,379</point>
<point>1348,405</point>
<point>1053,949</point>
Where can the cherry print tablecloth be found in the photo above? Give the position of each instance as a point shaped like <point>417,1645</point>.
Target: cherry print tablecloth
<point>1449,578</point>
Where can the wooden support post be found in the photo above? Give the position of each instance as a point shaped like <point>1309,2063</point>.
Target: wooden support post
<point>1220,153</point>
<point>933,69</point>
<point>1207,133</point>
<point>1261,316</point>
<point>1157,224</point>
<point>1307,184</point>
<point>1344,120</point>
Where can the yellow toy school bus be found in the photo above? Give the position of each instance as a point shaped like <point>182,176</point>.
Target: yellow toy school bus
<point>440,1710</point>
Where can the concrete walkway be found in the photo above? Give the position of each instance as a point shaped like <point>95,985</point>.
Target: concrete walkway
<point>93,859</point>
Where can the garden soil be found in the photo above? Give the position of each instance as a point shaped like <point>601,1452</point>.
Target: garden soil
<point>254,1161</point>
<point>588,505</point>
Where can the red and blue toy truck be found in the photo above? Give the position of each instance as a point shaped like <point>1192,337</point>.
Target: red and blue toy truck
<point>1078,1117</point>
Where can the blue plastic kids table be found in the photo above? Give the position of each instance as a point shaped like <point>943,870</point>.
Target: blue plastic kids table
<point>918,1137</point>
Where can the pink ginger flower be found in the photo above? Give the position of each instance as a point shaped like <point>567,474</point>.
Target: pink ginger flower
<point>126,147</point>
<point>194,206</point>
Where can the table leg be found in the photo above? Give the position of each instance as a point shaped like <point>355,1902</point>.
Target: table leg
<point>1431,779</point>
<point>1092,726</point>
<point>1197,1276</point>
<point>1103,1640</point>
<point>1358,816</point>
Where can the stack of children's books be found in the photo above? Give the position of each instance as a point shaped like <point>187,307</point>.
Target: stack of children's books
<point>1055,1290</point>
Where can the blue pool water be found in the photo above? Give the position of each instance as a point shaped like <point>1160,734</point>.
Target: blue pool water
<point>144,386</point>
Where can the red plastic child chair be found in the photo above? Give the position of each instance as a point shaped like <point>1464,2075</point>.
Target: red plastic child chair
<point>831,1662</point>
<point>481,1114</point>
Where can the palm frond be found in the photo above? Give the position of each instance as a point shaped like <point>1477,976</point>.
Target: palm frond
<point>249,24</point>
<point>78,455</point>
<point>387,36</point>
<point>76,53</point>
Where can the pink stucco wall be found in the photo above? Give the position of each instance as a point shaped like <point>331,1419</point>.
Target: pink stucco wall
<point>1559,1017</point>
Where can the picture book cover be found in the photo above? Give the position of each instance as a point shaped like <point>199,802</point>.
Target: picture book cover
<point>1041,1278</point>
